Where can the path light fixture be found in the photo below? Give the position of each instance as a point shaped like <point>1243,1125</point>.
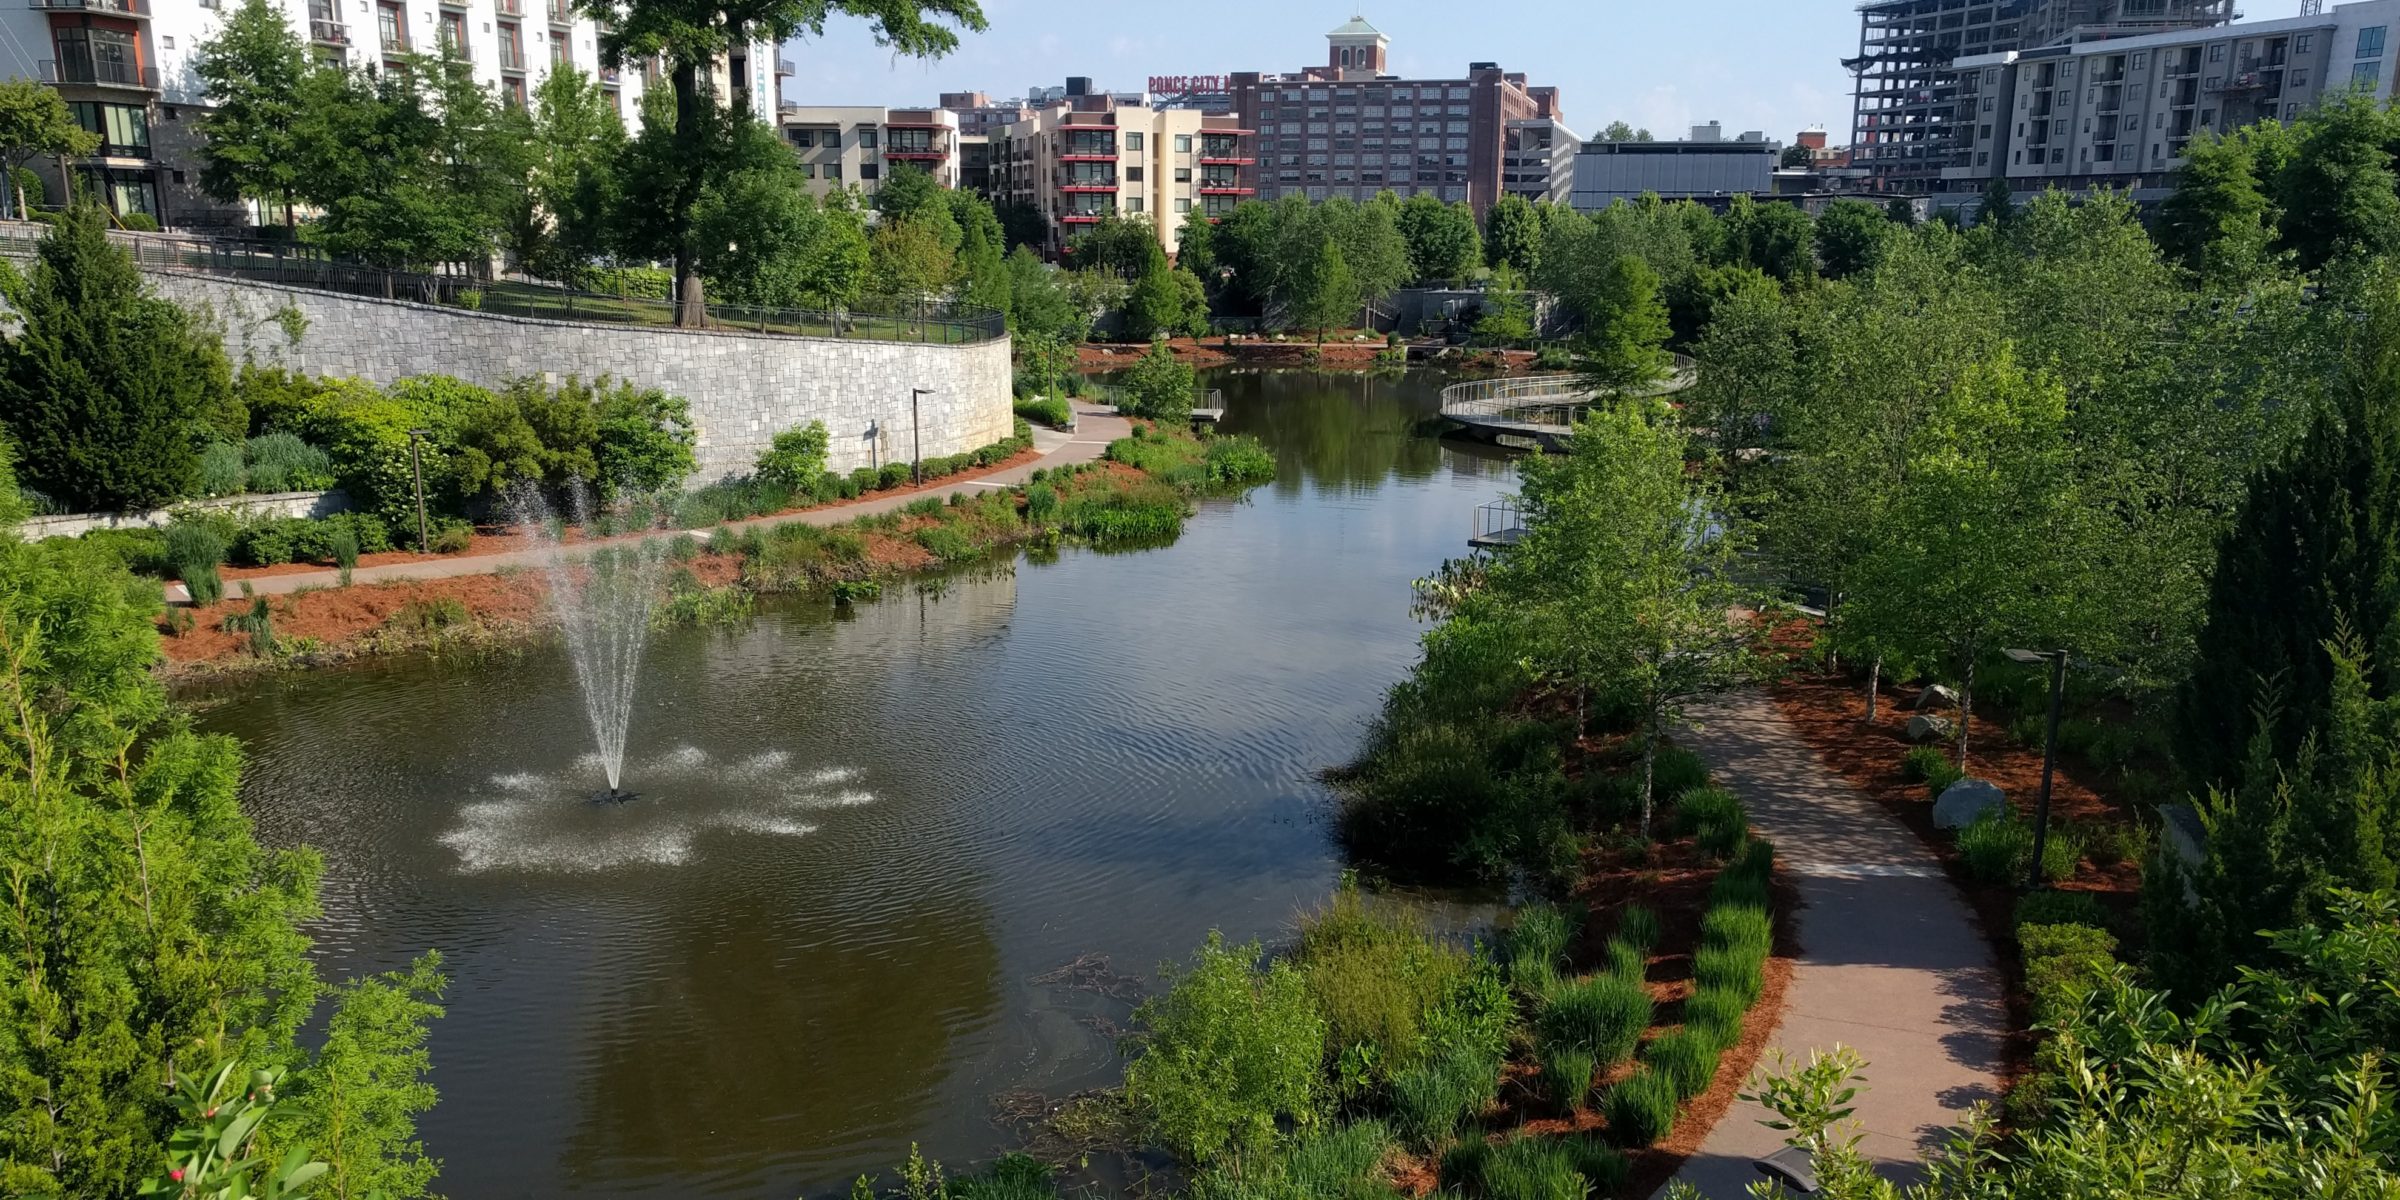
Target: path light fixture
<point>916,448</point>
<point>1792,1169</point>
<point>2041,812</point>
<point>416,463</point>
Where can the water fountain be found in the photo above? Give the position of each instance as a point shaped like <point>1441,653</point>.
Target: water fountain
<point>603,600</point>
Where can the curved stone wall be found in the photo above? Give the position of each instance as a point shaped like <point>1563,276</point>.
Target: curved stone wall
<point>743,388</point>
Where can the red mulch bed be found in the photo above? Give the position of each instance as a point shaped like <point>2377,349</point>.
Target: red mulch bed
<point>1829,712</point>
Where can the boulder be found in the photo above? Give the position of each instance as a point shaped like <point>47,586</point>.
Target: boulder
<point>1962,802</point>
<point>1925,727</point>
<point>1936,696</point>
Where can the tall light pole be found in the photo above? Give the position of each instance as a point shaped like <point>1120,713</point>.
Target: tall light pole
<point>416,462</point>
<point>2058,688</point>
<point>916,448</point>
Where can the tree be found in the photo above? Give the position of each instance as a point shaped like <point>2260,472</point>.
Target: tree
<point>2312,557</point>
<point>35,122</point>
<point>559,222</point>
<point>756,225</point>
<point>252,70</point>
<point>645,435</point>
<point>1513,234</point>
<point>1902,211</point>
<point>1747,360</point>
<point>689,35</point>
<point>908,261</point>
<point>1155,309</point>
<point>1507,318</point>
<point>1119,245</point>
<point>1999,203</point>
<point>908,193</point>
<point>1624,338</point>
<point>1160,386</point>
<point>153,936</point>
<point>358,1103</point>
<point>1619,131</point>
<point>1796,158</point>
<point>1443,245</point>
<point>2218,222</point>
<point>1324,293</point>
<point>1623,573</point>
<point>407,166</point>
<point>102,385</point>
<point>1228,1053</point>
<point>983,273</point>
<point>1373,251</point>
<point>2338,192</point>
<point>1851,236</point>
<point>1776,238</point>
<point>1195,244</point>
<point>1024,225</point>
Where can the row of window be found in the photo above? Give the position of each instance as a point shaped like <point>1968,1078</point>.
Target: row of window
<point>1364,176</point>
<point>1394,92</point>
<point>1347,129</point>
<point>1295,113</point>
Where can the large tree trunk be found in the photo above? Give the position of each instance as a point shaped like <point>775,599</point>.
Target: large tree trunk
<point>1966,710</point>
<point>1649,763</point>
<point>691,131</point>
<point>1874,686</point>
<point>290,230</point>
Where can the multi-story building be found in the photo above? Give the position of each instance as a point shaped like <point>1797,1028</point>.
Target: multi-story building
<point>857,145</point>
<point>125,68</point>
<point>1708,167</point>
<point>1909,116</point>
<point>2119,112</point>
<point>1349,129</point>
<point>1537,160</point>
<point>1096,156</point>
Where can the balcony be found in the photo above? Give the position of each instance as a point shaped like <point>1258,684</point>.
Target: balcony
<point>1226,160</point>
<point>1226,189</point>
<point>786,68</point>
<point>562,16</point>
<point>122,8</point>
<point>917,155</point>
<point>99,74</point>
<point>460,5</point>
<point>512,59</point>
<point>326,31</point>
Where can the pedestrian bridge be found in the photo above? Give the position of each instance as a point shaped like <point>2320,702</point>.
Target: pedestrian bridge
<point>1541,409</point>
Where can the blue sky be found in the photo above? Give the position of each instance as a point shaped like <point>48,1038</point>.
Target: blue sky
<point>1666,64</point>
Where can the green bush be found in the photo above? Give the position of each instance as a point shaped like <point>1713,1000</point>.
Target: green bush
<point>1627,960</point>
<point>893,474</point>
<point>1740,927</point>
<point>1537,945</point>
<point>1041,504</point>
<point>194,551</point>
<point>864,479</point>
<point>1687,1058</point>
<point>1054,412</point>
<point>1230,1051</point>
<point>2062,855</point>
<point>1922,764</point>
<point>138,222</point>
<point>1715,1015</point>
<point>281,462</point>
<point>2052,907</point>
<point>1012,1177</point>
<point>1532,1168</point>
<point>1375,977</point>
<point>1702,807</point>
<point>1675,770</point>
<point>796,457</point>
<point>1434,1098</point>
<point>948,545</point>
<point>221,472</point>
<point>1341,1163</point>
<point>1996,846</point>
<point>1475,800</point>
<point>1238,460</point>
<point>1725,839</point>
<point>431,614</point>
<point>1732,970</point>
<point>2062,962</point>
<point>1603,1013</point>
<point>142,551</point>
<point>1567,1076</point>
<point>1641,1110</point>
<point>453,536</point>
<point>1637,925</point>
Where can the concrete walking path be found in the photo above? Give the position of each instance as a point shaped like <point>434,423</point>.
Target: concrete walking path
<point>1891,962</point>
<point>1095,427</point>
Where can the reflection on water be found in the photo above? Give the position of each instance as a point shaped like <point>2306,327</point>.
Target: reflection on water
<point>816,937</point>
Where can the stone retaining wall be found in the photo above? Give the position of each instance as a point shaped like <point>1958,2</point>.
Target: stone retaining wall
<point>267,504</point>
<point>744,388</point>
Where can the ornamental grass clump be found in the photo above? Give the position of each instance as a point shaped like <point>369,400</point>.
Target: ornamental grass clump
<point>194,551</point>
<point>1432,1100</point>
<point>1687,1058</point>
<point>1714,1015</point>
<point>1641,1110</point>
<point>1537,946</point>
<point>1567,1076</point>
<point>1604,1014</point>
<point>1533,1168</point>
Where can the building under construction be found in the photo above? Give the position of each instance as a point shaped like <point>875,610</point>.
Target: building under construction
<point>1906,123</point>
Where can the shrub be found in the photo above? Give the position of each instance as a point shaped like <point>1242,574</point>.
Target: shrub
<point>1434,1098</point>
<point>2050,907</point>
<point>221,472</point>
<point>1375,977</point>
<point>1641,1110</point>
<point>1735,971</point>
<point>342,547</point>
<point>2118,841</point>
<point>2062,962</point>
<point>1532,1168</point>
<point>1238,460</point>
<point>1604,1014</point>
<point>1995,846</point>
<point>1041,504</point>
<point>1627,960</point>
<point>894,474</point>
<point>1725,838</point>
<point>683,548</point>
<point>796,457</point>
<point>1702,807</point>
<point>948,545</point>
<point>1537,945</point>
<point>1013,1177</point>
<point>1924,763</point>
<point>1740,927</point>
<point>431,614</point>
<point>139,222</point>
<point>1687,1058</point>
<point>1052,411</point>
<point>2062,853</point>
<point>281,462</point>
<point>453,537</point>
<point>864,479</point>
<point>1231,1050</point>
<point>193,552</point>
<point>1715,1014</point>
<point>1675,770</point>
<point>142,551</point>
<point>1638,926</point>
<point>1567,1076</point>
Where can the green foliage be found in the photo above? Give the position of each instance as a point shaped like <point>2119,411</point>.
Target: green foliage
<point>1160,387</point>
<point>1604,1014</point>
<point>1851,236</point>
<point>1637,926</point>
<point>1512,234</point>
<point>1052,411</point>
<point>1507,318</point>
<point>1567,1075</point>
<point>35,122</point>
<point>1995,846</point>
<point>1537,945</point>
<point>256,147</point>
<point>359,1103</point>
<point>1641,1109</point>
<point>1376,978</point>
<point>1686,1058</point>
<point>1433,1099</point>
<point>2052,907</point>
<point>213,1151</point>
<point>1234,461</point>
<point>1532,1168</point>
<point>280,462</point>
<point>1229,1051</point>
<point>2063,963</point>
<point>220,471</point>
<point>1715,1014</point>
<point>1443,243</point>
<point>101,383</point>
<point>796,456</point>
<point>193,552</point>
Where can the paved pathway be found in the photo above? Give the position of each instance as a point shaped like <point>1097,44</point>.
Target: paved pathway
<point>1891,963</point>
<point>1095,427</point>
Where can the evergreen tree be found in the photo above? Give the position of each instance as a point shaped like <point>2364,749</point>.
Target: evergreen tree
<point>252,70</point>
<point>1195,244</point>
<point>1513,234</point>
<point>103,386</point>
<point>1999,203</point>
<point>2337,191</point>
<point>2314,551</point>
<point>1624,341</point>
<point>1155,309</point>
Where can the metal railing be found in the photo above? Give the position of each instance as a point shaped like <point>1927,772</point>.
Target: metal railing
<point>328,31</point>
<point>1543,400</point>
<point>134,8</point>
<point>901,319</point>
<point>99,73</point>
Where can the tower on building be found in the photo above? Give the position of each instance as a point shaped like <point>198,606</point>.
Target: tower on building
<point>1357,48</point>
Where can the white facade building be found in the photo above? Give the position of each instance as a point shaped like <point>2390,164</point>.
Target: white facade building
<point>856,145</point>
<point>125,67</point>
<point>1537,160</point>
<point>2120,112</point>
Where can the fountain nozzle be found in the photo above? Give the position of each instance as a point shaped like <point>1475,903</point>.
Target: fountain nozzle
<point>613,795</point>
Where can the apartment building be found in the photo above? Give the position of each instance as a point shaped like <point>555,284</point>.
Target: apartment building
<point>125,68</point>
<point>2119,112</point>
<point>1910,114</point>
<point>1097,156</point>
<point>1537,160</point>
<point>1348,128</point>
<point>857,145</point>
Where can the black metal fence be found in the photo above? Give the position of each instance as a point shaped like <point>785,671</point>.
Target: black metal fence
<point>886,319</point>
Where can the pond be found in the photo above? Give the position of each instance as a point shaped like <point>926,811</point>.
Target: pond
<point>836,921</point>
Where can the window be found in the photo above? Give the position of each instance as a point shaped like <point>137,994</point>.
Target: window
<point>2304,43</point>
<point>1183,174</point>
<point>1984,134</point>
<point>833,170</point>
<point>1992,76</point>
<point>454,33</point>
<point>87,55</point>
<point>1183,204</point>
<point>2058,154</point>
<point>2141,59</point>
<point>1133,204</point>
<point>2216,52</point>
<point>1983,158</point>
<point>1183,143</point>
<point>1987,104</point>
<point>2066,70</point>
<point>512,48</point>
<point>2299,79</point>
<point>2059,126</point>
<point>124,129</point>
<point>2370,42</point>
<point>1133,142</point>
<point>808,170</point>
<point>393,29</point>
<point>870,170</point>
<point>801,137</point>
<point>831,139</point>
<point>514,91</point>
<point>1133,174</point>
<point>2366,75</point>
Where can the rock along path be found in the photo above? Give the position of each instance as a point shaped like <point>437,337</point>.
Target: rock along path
<point>1891,962</point>
<point>1095,427</point>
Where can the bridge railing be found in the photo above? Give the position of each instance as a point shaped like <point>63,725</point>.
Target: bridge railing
<point>1542,399</point>
<point>886,320</point>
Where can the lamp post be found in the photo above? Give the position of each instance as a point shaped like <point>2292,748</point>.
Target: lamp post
<point>416,463</point>
<point>2041,812</point>
<point>916,448</point>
